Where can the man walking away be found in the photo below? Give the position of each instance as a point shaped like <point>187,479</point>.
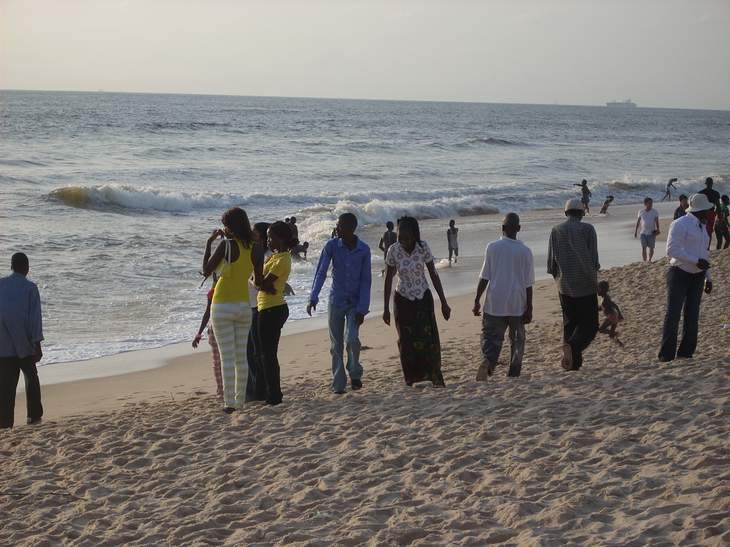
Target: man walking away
<point>349,299</point>
<point>21,333</point>
<point>648,221</point>
<point>573,262</point>
<point>508,275</point>
<point>682,209</point>
<point>389,237</point>
<point>688,274</point>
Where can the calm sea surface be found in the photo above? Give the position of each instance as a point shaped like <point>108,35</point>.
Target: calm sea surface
<point>112,195</point>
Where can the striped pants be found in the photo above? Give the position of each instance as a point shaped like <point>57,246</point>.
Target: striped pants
<point>216,362</point>
<point>231,323</point>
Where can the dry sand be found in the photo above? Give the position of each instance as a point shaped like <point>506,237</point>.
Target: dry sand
<point>626,451</point>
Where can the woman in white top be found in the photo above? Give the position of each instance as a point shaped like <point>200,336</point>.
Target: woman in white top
<point>415,321</point>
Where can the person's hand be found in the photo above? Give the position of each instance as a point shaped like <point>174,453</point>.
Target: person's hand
<point>38,355</point>
<point>196,341</point>
<point>359,318</point>
<point>527,316</point>
<point>268,286</point>
<point>708,287</point>
<point>215,235</point>
<point>386,317</point>
<point>634,235</point>
<point>703,264</point>
<point>445,310</point>
<point>477,309</point>
<point>310,307</point>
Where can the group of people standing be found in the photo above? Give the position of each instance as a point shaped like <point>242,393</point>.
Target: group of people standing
<point>250,268</point>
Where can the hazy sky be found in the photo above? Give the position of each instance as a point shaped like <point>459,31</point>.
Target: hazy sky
<point>658,52</point>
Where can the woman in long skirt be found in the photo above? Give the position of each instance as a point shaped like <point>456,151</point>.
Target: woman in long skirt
<point>415,320</point>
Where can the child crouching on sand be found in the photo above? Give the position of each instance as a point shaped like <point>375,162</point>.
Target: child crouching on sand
<point>611,311</point>
<point>213,344</point>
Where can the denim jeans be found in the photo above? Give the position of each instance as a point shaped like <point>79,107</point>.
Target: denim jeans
<point>580,323</point>
<point>344,334</point>
<point>493,329</point>
<point>684,291</point>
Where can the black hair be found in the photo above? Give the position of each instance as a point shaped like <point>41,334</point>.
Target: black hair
<point>683,196</point>
<point>412,224</point>
<point>708,181</point>
<point>19,263</point>
<point>261,228</point>
<point>389,225</point>
<point>236,220</point>
<point>725,197</point>
<point>349,219</point>
<point>647,199</point>
<point>284,233</point>
<point>603,285</point>
<point>292,220</point>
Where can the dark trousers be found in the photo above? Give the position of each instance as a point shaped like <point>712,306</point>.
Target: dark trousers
<point>270,323</point>
<point>10,368</point>
<point>580,323</point>
<point>256,386</point>
<point>684,292</point>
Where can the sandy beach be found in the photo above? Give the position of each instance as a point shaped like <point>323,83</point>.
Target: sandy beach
<point>626,451</point>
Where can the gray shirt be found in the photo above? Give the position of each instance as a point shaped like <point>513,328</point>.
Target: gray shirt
<point>21,325</point>
<point>573,258</point>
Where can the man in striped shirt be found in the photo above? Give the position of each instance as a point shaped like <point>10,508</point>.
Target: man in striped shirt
<point>573,262</point>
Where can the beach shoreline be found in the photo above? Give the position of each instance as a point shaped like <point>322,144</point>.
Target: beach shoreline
<point>616,246</point>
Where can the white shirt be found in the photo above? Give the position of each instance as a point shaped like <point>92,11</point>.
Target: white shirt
<point>411,268</point>
<point>648,221</point>
<point>687,242</point>
<point>508,266</point>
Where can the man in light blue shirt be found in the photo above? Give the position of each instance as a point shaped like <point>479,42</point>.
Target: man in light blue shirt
<point>21,333</point>
<point>349,300</point>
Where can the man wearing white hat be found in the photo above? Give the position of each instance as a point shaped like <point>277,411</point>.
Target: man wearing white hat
<point>689,273</point>
<point>573,262</point>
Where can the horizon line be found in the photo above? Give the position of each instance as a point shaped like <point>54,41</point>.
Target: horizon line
<point>312,97</point>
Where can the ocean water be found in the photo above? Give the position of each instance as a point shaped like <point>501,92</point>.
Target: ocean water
<point>113,195</point>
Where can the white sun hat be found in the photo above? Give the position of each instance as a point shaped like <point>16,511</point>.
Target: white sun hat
<point>699,202</point>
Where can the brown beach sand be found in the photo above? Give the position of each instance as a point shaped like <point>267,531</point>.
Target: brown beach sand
<point>626,451</point>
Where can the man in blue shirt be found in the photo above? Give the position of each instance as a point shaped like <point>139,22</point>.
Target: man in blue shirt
<point>21,332</point>
<point>349,299</point>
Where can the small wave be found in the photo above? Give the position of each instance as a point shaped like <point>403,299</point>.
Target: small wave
<point>119,197</point>
<point>478,141</point>
<point>155,127</point>
<point>21,163</point>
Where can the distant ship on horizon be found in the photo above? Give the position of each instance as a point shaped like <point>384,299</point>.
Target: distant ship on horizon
<point>628,103</point>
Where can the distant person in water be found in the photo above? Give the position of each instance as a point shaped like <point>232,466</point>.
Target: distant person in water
<point>647,224</point>
<point>573,262</point>
<point>235,260</point>
<point>508,275</point>
<point>585,195</point>
<point>205,322</point>
<point>349,300</point>
<point>21,334</point>
<point>272,308</point>
<point>668,192</point>
<point>611,312</point>
<point>452,240</point>
<point>294,229</point>
<point>299,250</point>
<point>722,223</point>
<point>713,196</point>
<point>389,237</point>
<point>681,210</point>
<point>688,275</point>
<point>415,320</point>
<point>605,206</point>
